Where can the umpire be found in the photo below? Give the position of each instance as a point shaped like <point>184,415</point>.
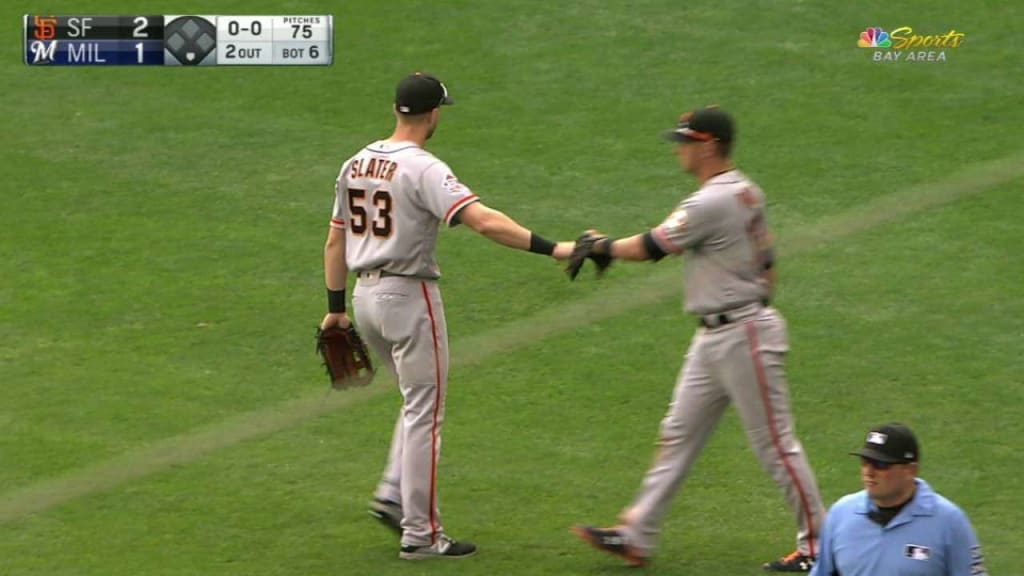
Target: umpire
<point>897,524</point>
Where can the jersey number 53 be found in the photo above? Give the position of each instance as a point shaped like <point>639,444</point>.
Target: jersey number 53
<point>381,224</point>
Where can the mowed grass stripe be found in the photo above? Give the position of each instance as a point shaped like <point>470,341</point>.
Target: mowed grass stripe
<point>607,302</point>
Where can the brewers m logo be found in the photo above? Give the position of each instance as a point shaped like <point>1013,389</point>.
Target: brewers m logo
<point>43,52</point>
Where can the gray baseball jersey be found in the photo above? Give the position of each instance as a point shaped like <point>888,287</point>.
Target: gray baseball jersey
<point>723,230</point>
<point>738,359</point>
<point>392,197</point>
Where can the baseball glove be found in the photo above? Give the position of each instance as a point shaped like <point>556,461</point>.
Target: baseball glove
<point>345,357</point>
<point>584,249</point>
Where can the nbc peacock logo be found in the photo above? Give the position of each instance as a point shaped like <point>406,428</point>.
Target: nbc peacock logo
<point>874,38</point>
<point>903,44</point>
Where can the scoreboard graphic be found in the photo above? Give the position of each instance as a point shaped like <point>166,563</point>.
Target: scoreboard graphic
<point>154,40</point>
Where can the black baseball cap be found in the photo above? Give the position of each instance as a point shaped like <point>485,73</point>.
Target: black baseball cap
<point>703,125</point>
<point>891,443</point>
<point>418,93</point>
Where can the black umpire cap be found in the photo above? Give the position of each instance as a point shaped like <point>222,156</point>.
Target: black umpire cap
<point>418,93</point>
<point>891,443</point>
<point>704,125</point>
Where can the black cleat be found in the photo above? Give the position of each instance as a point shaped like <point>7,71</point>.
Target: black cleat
<point>612,541</point>
<point>445,547</point>
<point>795,562</point>
<point>387,513</point>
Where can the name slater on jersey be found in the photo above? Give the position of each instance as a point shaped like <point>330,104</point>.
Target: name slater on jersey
<point>376,168</point>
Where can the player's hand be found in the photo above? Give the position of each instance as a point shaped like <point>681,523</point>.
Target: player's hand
<point>563,250</point>
<point>339,319</point>
<point>600,235</point>
<point>586,247</point>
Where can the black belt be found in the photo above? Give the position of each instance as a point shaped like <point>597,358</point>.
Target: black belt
<point>380,273</point>
<point>721,319</point>
<point>386,274</point>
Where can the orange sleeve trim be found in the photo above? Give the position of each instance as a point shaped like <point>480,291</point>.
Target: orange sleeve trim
<point>458,206</point>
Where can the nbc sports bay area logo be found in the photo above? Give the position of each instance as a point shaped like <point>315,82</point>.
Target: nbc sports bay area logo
<point>904,45</point>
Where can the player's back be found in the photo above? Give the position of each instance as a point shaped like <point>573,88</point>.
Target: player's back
<point>392,198</point>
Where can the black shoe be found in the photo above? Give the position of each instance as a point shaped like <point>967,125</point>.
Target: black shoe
<point>612,541</point>
<point>445,547</point>
<point>387,513</point>
<point>795,562</point>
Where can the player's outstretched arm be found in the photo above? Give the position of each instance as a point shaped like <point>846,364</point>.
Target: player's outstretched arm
<point>499,227</point>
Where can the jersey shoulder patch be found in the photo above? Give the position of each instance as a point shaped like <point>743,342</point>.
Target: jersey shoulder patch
<point>452,185</point>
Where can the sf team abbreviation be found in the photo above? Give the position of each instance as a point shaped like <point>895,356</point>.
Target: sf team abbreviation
<point>178,40</point>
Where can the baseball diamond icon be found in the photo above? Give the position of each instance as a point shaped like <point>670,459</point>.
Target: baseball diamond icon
<point>190,39</point>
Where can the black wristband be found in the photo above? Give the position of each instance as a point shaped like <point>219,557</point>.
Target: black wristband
<point>540,245</point>
<point>335,301</point>
<point>654,252</point>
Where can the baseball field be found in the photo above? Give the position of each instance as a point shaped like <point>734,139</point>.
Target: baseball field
<point>162,411</point>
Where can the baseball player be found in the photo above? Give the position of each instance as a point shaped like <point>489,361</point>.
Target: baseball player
<point>391,198</point>
<point>897,524</point>
<point>737,353</point>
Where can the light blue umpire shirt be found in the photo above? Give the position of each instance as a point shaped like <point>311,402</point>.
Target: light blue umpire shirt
<point>931,536</point>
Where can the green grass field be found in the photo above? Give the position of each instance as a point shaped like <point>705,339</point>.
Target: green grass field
<point>161,408</point>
